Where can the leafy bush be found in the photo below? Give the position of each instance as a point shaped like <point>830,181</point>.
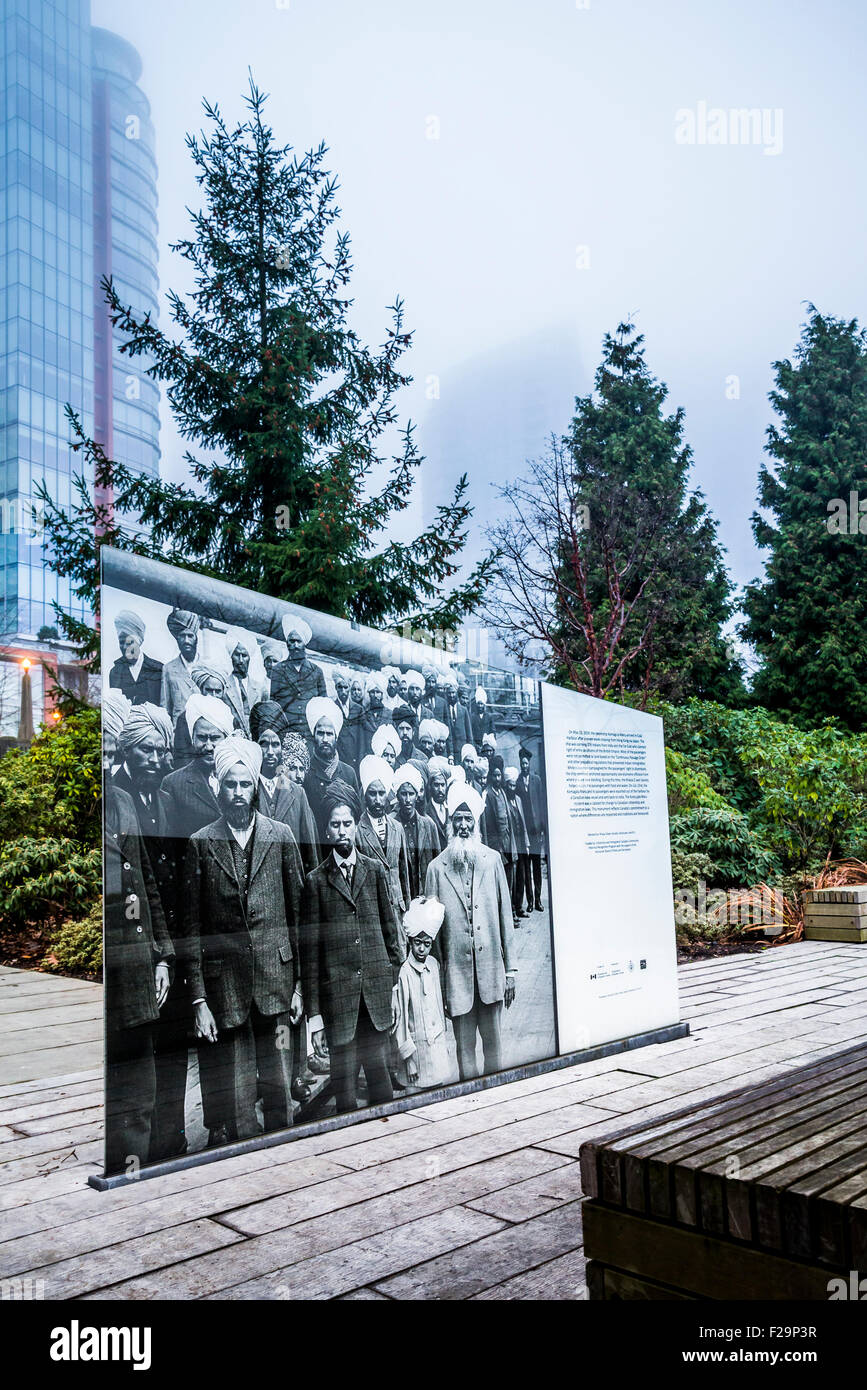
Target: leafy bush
<point>76,946</point>
<point>726,838</point>
<point>689,786</point>
<point>44,880</point>
<point>53,788</point>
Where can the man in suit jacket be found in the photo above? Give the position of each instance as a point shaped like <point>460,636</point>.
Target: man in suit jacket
<point>532,795</point>
<point>296,681</point>
<point>242,890</point>
<point>137,676</point>
<point>457,718</point>
<point>350,957</point>
<point>481,719</point>
<point>352,712</point>
<point>138,958</point>
<point>177,683</point>
<point>325,722</point>
<point>145,739</point>
<point>380,836</point>
<point>242,691</point>
<point>190,793</point>
<point>420,833</point>
<point>474,943</point>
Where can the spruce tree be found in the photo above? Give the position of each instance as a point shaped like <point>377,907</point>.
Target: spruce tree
<point>807,617</point>
<point>298,461</point>
<point>631,470</point>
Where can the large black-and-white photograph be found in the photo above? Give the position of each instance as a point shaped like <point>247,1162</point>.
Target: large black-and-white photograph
<point>326,881</point>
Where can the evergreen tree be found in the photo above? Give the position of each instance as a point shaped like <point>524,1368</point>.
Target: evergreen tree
<point>300,463</point>
<point>619,569</point>
<point>807,616</point>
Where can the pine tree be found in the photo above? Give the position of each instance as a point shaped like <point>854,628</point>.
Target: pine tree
<point>807,616</point>
<point>300,462</point>
<point>608,558</point>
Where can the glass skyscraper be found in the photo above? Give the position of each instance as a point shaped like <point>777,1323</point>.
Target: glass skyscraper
<point>78,201</point>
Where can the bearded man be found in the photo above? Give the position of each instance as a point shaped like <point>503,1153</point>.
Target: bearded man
<point>243,884</point>
<point>190,793</point>
<point>325,723</point>
<point>456,718</point>
<point>380,836</point>
<point>474,943</point>
<point>439,775</point>
<point>242,690</point>
<point>420,833</point>
<point>177,682</point>
<point>297,680</point>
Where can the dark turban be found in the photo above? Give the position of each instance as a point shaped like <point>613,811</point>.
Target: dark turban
<point>496,762</point>
<point>524,752</point>
<point>295,747</point>
<point>340,794</point>
<point>404,714</point>
<point>180,620</point>
<point>265,715</point>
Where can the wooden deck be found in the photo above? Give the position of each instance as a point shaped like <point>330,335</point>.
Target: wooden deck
<point>473,1198</point>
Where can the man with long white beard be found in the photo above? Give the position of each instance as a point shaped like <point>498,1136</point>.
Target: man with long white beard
<point>242,900</point>
<point>474,943</point>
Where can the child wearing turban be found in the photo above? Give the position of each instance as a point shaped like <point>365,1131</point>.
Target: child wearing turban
<point>420,1032</point>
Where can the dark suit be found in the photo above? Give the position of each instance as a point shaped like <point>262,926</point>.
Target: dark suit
<point>460,727</point>
<point>147,689</point>
<point>350,961</point>
<point>422,846</point>
<point>290,806</point>
<point>481,724</point>
<point>533,802</point>
<point>136,940</point>
<point>187,803</point>
<point>392,855</point>
<point>293,688</point>
<point>241,933</point>
<point>349,738</point>
<point>370,721</point>
<point>316,785</point>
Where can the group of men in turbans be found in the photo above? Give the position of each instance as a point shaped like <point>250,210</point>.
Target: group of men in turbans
<point>265,841</point>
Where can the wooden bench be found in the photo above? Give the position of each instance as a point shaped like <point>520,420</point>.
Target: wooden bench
<point>759,1195</point>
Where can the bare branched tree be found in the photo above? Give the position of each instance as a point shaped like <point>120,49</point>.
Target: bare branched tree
<point>545,593</point>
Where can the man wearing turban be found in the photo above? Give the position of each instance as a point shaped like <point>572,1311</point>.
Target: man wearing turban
<point>499,828</point>
<point>191,791</point>
<point>439,774</point>
<point>381,836</point>
<point>138,958</point>
<point>137,676</point>
<point>243,880</point>
<point>474,944</point>
<point>279,797</point>
<point>351,955</point>
<point>374,713</point>
<point>115,709</point>
<point>325,721</point>
<point>481,719</point>
<point>207,680</point>
<point>177,682</point>
<point>297,680</point>
<point>420,833</point>
<point>242,690</point>
<point>456,717</point>
<point>386,744</point>
<point>532,797</point>
<point>348,740</point>
<point>432,703</point>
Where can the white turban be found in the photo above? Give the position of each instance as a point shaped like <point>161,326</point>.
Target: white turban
<point>376,681</point>
<point>468,751</point>
<point>439,767</point>
<point>511,776</point>
<point>210,708</point>
<point>270,647</point>
<point>460,794</point>
<point>237,749</point>
<point>236,637</point>
<point>441,730</point>
<point>320,707</point>
<point>299,627</point>
<point>373,769</point>
<point>490,739</point>
<point>129,624</point>
<point>427,729</point>
<point>115,711</point>
<point>408,773</point>
<point>423,915</point>
<point>481,695</point>
<point>142,722</point>
<point>386,736</point>
<point>428,670</point>
<point>415,678</point>
<point>456,774</point>
<point>389,671</point>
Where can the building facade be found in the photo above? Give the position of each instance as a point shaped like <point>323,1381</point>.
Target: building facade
<point>78,201</point>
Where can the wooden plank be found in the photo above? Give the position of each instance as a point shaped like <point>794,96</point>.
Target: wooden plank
<point>462,1273</point>
<point>842,930</point>
<point>706,1266</point>
<point>557,1281</point>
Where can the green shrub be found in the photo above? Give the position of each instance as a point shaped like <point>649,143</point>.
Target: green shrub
<point>45,880</point>
<point>53,788</point>
<point>737,857</point>
<point>689,786</point>
<point>76,945</point>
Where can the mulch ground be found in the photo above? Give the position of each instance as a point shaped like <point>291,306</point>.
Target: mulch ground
<point>27,948</point>
<point>704,950</point>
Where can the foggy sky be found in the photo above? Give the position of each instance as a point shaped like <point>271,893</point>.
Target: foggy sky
<point>556,126</point>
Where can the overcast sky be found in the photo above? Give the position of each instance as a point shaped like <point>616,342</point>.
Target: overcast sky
<point>557,198</point>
